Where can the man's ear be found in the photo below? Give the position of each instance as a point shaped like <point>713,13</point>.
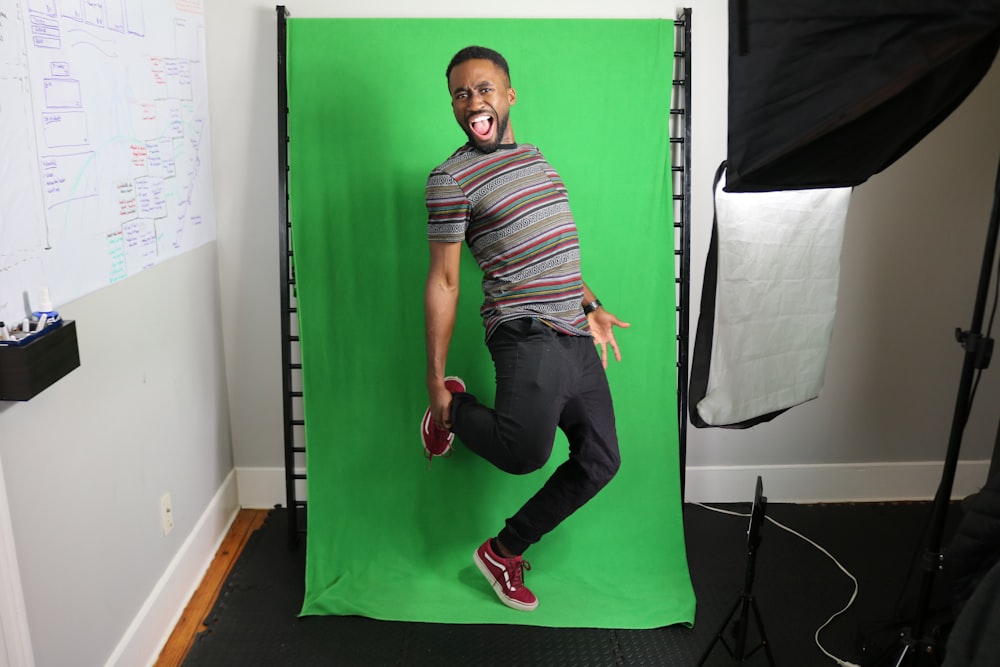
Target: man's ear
<point>511,96</point>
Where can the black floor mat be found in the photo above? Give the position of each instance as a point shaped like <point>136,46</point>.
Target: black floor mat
<point>796,588</point>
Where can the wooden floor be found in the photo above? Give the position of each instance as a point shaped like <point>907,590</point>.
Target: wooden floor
<point>190,623</point>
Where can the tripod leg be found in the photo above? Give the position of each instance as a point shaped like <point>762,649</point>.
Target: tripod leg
<point>718,635</point>
<point>763,635</point>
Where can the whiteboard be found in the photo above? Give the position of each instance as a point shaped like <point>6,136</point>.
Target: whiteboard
<point>104,144</point>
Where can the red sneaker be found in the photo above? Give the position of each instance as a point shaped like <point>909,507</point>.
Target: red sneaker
<point>437,440</point>
<point>506,576</point>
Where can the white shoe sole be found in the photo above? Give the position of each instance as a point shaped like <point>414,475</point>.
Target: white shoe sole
<point>498,589</point>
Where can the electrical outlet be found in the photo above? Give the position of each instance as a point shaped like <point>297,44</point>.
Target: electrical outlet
<point>166,514</point>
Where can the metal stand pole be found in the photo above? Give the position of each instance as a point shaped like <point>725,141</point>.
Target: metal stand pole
<point>916,648</point>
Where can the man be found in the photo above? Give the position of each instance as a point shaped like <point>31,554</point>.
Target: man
<point>542,321</point>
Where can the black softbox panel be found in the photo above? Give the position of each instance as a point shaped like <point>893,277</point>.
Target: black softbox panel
<point>825,94</point>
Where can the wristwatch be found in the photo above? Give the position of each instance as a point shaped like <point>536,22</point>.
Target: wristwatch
<point>588,308</point>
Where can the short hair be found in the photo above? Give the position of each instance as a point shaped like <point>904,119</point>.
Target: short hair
<point>478,53</point>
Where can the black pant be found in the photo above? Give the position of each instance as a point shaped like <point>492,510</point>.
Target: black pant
<point>544,379</point>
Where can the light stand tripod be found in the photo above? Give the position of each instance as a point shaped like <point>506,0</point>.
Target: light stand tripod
<point>917,649</point>
<point>746,602</point>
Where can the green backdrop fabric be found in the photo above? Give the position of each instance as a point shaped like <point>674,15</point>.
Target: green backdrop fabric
<point>390,537</point>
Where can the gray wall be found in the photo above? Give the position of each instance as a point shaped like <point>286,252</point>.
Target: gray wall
<point>86,461</point>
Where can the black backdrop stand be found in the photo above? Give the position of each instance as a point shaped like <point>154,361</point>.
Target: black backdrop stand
<point>916,648</point>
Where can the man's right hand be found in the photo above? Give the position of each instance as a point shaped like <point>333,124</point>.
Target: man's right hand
<point>440,404</point>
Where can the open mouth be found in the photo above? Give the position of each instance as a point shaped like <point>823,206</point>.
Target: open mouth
<point>481,125</point>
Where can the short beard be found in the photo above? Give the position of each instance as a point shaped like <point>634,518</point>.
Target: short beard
<point>495,144</point>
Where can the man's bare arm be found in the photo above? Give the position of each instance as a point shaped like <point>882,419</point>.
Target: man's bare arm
<point>440,304</point>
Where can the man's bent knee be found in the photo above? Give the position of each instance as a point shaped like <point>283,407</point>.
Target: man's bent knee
<point>605,473</point>
<point>526,455</point>
<point>524,466</point>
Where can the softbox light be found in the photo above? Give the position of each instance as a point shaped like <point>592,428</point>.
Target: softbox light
<point>826,94</point>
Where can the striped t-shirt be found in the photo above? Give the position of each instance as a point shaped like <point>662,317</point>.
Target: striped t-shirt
<point>512,209</point>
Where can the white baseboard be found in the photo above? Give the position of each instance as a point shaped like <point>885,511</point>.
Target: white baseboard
<point>263,488</point>
<point>152,626</point>
<point>15,639</point>
<point>832,483</point>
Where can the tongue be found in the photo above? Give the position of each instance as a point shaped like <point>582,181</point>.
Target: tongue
<point>482,127</point>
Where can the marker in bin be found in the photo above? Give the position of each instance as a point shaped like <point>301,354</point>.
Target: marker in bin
<point>43,318</point>
<point>45,315</point>
<point>13,335</point>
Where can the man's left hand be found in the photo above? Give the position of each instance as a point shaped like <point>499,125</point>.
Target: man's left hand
<point>602,325</point>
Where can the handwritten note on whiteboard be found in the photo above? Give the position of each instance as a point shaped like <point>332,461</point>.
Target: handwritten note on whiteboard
<point>105,163</point>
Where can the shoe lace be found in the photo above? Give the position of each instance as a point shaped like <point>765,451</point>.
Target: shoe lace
<point>517,574</point>
<point>430,457</point>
